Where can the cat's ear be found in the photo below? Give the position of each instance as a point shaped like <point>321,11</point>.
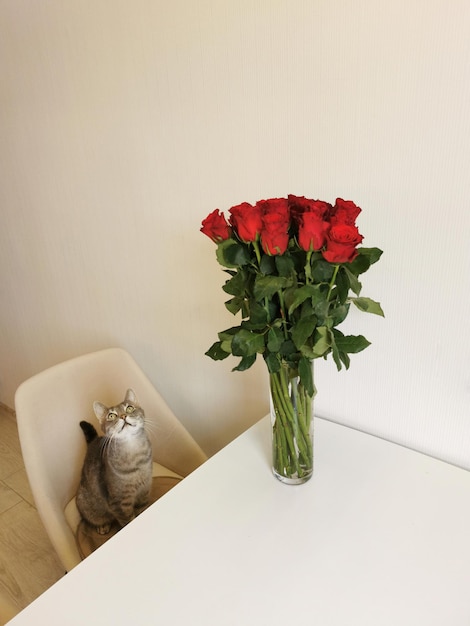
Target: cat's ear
<point>100,411</point>
<point>130,398</point>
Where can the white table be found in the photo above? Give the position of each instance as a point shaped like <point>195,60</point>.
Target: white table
<point>380,536</point>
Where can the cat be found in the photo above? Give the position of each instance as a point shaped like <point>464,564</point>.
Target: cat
<point>117,472</point>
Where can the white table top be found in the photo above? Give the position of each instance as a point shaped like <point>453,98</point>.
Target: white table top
<point>379,536</point>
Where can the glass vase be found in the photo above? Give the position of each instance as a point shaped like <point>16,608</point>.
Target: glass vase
<point>292,427</point>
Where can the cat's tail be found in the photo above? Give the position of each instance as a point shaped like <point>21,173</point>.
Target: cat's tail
<point>89,431</point>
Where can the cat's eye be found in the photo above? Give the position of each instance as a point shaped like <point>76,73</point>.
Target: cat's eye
<point>129,409</point>
<point>111,416</point>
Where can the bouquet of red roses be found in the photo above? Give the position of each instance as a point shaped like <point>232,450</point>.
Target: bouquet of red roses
<point>293,267</point>
<point>292,264</point>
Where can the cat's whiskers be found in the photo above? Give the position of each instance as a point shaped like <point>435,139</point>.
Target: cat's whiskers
<point>104,444</point>
<point>151,426</point>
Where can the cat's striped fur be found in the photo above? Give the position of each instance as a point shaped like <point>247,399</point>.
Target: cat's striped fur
<point>117,471</point>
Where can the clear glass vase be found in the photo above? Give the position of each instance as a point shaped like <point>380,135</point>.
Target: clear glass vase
<point>292,427</point>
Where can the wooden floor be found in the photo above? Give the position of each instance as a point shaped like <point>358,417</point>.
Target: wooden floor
<point>28,563</point>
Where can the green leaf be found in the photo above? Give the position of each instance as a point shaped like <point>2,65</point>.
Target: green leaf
<point>360,265</point>
<point>300,295</point>
<point>321,311</point>
<point>285,265</point>
<point>339,355</point>
<point>322,341</point>
<point>346,360</point>
<point>353,281</point>
<point>338,314</point>
<point>342,284</point>
<point>258,314</point>
<point>275,339</point>
<point>232,254</point>
<point>245,363</point>
<point>306,375</point>
<point>287,349</point>
<point>373,254</point>
<point>266,286</point>
<point>303,329</point>
<point>336,355</point>
<point>350,343</point>
<point>236,285</point>
<point>322,271</point>
<point>226,337</point>
<point>320,293</point>
<point>216,352</point>
<point>247,343</point>
<point>306,308</point>
<point>369,306</point>
<point>365,258</point>
<point>307,351</point>
<point>273,362</point>
<point>234,305</point>
<point>228,333</point>
<point>267,264</point>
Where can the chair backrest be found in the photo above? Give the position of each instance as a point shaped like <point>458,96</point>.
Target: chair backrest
<point>49,407</point>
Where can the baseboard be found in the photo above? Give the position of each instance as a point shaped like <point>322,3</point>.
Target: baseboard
<point>8,409</point>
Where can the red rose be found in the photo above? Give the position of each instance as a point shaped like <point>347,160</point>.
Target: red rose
<point>274,239</point>
<point>246,220</point>
<point>275,206</point>
<point>312,232</point>
<point>215,226</point>
<point>300,205</point>
<point>276,219</point>
<point>341,243</point>
<point>344,212</point>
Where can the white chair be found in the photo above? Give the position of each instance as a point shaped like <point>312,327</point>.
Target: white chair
<point>49,407</point>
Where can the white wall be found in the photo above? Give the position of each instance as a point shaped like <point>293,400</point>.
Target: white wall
<point>124,123</point>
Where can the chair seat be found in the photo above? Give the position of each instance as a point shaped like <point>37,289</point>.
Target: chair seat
<point>88,540</point>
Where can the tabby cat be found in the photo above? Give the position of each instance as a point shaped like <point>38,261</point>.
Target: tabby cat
<point>117,471</point>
